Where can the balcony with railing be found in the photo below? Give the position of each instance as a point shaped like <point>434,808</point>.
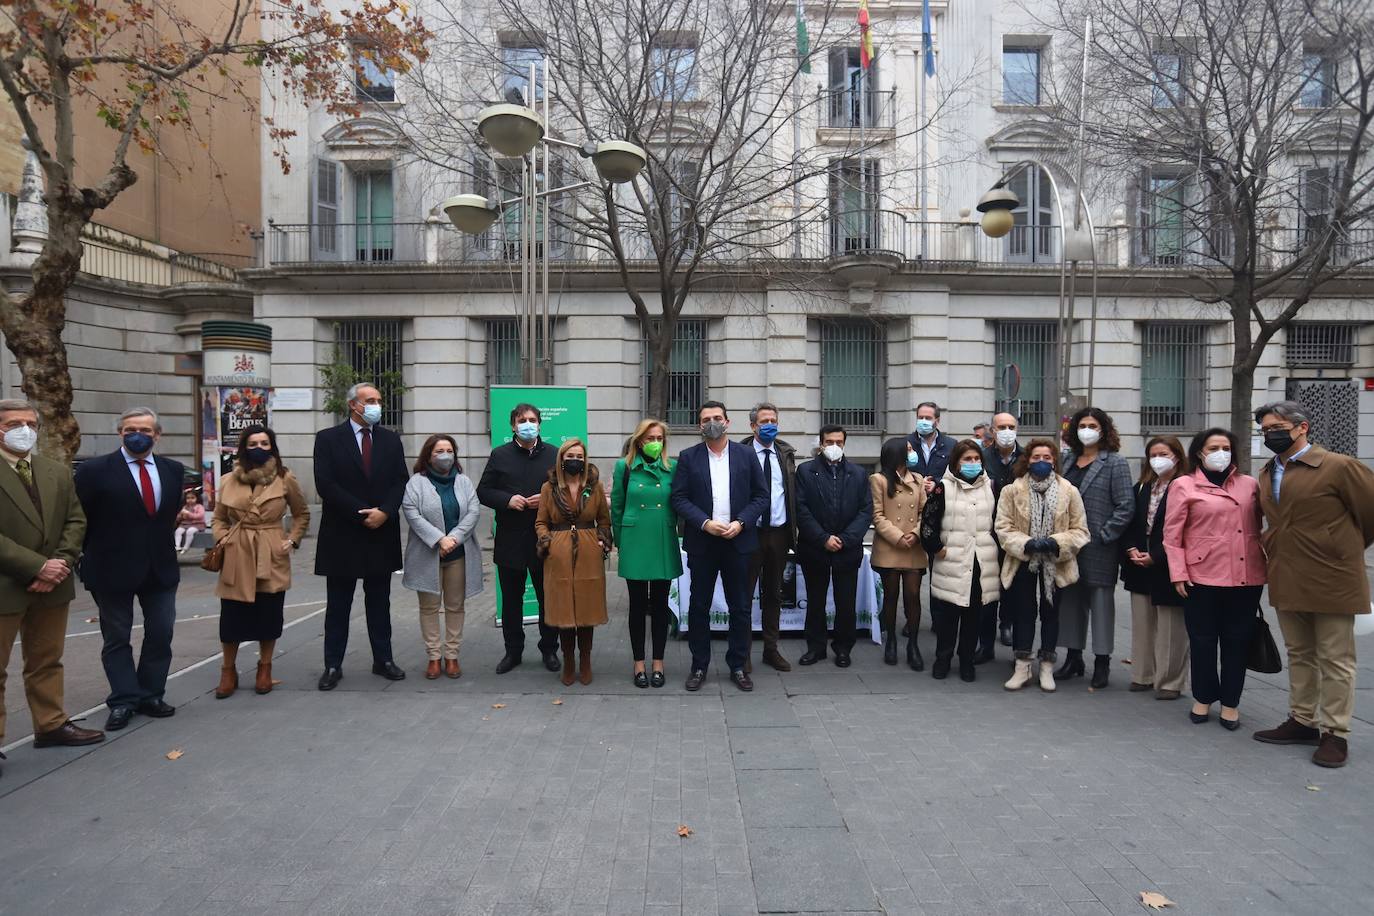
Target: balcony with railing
<point>845,113</point>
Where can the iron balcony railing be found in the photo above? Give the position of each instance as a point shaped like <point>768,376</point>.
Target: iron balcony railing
<point>851,109</point>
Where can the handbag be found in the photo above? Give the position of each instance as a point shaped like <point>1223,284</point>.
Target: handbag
<point>213,561</point>
<point>1264,653</point>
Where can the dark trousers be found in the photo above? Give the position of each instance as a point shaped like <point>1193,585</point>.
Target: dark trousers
<point>765,573</point>
<point>988,619</point>
<point>1026,599</point>
<point>732,567</point>
<point>339,608</point>
<point>819,574</point>
<point>146,682</point>
<point>956,627</point>
<point>1222,618</point>
<point>648,598</point>
<point>513,608</point>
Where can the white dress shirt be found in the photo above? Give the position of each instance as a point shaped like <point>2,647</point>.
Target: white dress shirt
<point>928,446</point>
<point>132,462</point>
<point>720,484</point>
<point>777,495</point>
<point>1280,464</point>
<point>358,432</point>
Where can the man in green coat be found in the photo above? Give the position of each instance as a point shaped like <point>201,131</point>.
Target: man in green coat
<point>41,527</point>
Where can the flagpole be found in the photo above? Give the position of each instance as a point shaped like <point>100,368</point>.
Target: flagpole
<point>796,141</point>
<point>921,63</point>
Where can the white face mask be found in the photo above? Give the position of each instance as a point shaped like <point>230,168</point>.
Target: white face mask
<point>833,452</point>
<point>1217,461</point>
<point>1088,436</point>
<point>1161,465</point>
<point>1006,437</point>
<point>21,439</point>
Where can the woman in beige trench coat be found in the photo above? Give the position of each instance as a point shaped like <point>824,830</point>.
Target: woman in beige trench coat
<point>252,502</point>
<point>573,532</point>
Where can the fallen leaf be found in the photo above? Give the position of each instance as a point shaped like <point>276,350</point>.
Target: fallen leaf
<point>175,753</point>
<point>558,702</point>
<point>486,718</point>
<point>498,705</point>
<point>1314,788</point>
<point>277,683</point>
<point>1155,901</point>
<point>684,830</point>
<point>92,619</point>
<point>1125,661</point>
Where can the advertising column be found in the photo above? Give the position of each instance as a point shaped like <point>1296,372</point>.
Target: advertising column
<point>237,358</point>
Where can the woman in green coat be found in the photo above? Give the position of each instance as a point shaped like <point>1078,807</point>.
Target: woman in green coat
<point>645,533</point>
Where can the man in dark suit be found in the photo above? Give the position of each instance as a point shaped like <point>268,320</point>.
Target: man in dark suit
<point>999,463</point>
<point>361,476</point>
<point>834,511</point>
<point>41,526</point>
<point>777,526</point>
<point>510,484</point>
<point>131,498</point>
<point>932,447</point>
<point>720,494</point>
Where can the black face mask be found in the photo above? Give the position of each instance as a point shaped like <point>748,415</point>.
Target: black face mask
<point>1278,441</point>
<point>573,466</point>
<point>257,456</point>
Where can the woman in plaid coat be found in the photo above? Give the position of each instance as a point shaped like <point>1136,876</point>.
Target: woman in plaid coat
<point>1103,479</point>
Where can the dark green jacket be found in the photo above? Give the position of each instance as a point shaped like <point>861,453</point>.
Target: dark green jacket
<point>29,538</point>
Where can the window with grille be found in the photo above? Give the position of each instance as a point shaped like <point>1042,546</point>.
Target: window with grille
<point>686,372</point>
<point>853,374</point>
<point>1027,364</point>
<point>504,363</point>
<point>373,349</point>
<point>1173,377</point>
<point>1313,344</point>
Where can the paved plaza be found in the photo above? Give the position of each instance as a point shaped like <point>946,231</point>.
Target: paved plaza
<point>867,790</point>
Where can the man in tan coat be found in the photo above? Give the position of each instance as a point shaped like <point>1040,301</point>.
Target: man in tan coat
<point>41,526</point>
<point>1319,509</point>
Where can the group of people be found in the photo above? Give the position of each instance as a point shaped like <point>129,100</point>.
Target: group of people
<point>1012,534</point>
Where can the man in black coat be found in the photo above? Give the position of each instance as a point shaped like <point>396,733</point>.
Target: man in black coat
<point>131,498</point>
<point>719,493</point>
<point>510,484</point>
<point>932,447</point>
<point>834,511</point>
<point>360,476</point>
<point>777,526</point>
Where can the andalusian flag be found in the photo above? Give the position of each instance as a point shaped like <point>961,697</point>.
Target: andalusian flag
<point>803,41</point>
<point>865,39</point>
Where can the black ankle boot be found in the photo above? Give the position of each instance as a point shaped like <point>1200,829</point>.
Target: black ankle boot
<point>913,655</point>
<point>889,648</point>
<point>1102,667</point>
<point>940,670</point>
<point>1072,667</point>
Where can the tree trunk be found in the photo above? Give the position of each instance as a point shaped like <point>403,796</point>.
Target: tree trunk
<point>1243,359</point>
<point>34,336</point>
<point>659,342</point>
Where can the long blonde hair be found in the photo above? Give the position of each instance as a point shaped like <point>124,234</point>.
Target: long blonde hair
<point>637,439</point>
<point>559,477</point>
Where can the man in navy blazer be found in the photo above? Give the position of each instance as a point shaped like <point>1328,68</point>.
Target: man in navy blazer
<point>931,446</point>
<point>361,476</point>
<point>720,495</point>
<point>131,498</point>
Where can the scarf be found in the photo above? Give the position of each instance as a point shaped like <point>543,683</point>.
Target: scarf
<point>443,485</point>
<point>1044,499</point>
<point>256,476</point>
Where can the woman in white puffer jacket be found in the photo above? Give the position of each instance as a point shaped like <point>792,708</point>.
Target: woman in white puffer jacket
<point>956,530</point>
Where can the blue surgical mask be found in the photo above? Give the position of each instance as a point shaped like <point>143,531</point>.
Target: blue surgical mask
<point>1041,469</point>
<point>971,471</point>
<point>925,427</point>
<point>912,459</point>
<point>768,432</point>
<point>372,414</point>
<point>528,431</point>
<point>137,443</point>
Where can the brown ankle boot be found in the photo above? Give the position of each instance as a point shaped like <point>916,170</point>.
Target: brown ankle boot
<point>263,683</point>
<point>228,682</point>
<point>584,654</point>
<point>567,641</point>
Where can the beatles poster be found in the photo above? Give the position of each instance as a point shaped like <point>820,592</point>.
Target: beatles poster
<point>239,408</point>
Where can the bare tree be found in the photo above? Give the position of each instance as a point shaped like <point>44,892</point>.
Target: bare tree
<point>714,91</point>
<point>1244,128</point>
<point>146,71</point>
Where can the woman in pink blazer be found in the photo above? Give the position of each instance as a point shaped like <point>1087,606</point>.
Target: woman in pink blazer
<point>1212,540</point>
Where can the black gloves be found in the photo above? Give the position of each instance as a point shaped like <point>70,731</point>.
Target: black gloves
<point>1043,545</point>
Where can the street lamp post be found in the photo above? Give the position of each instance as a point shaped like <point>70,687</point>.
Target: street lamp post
<point>518,131</point>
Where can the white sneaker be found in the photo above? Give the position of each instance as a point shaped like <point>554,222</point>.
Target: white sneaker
<point>1047,677</point>
<point>1020,675</point>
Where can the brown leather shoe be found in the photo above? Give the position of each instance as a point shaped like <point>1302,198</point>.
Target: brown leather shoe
<point>432,669</point>
<point>774,658</point>
<point>263,682</point>
<point>68,734</point>
<point>451,668</point>
<point>228,682</point>
<point>1290,732</point>
<point>1332,751</point>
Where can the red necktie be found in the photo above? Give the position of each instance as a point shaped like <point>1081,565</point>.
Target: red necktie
<point>145,483</point>
<point>367,451</point>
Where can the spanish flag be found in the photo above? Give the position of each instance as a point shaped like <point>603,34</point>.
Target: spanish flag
<point>865,39</point>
